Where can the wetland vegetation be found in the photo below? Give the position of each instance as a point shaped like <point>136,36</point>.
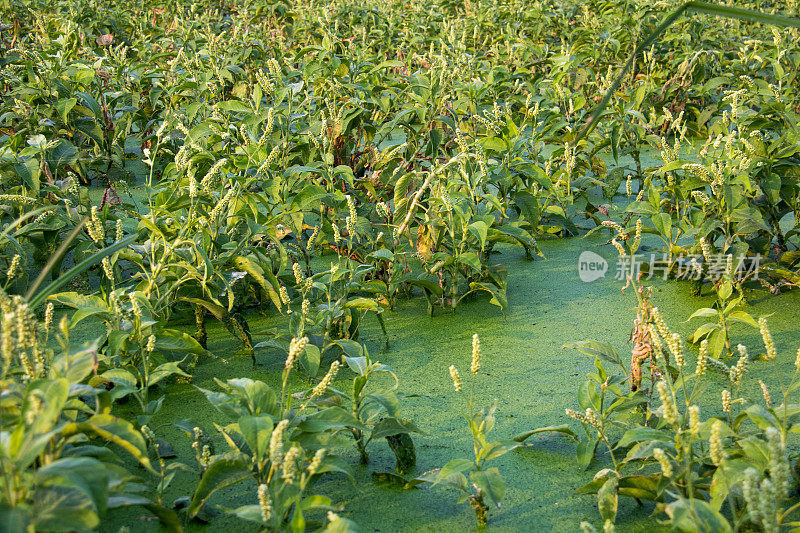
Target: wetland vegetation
<point>444,265</point>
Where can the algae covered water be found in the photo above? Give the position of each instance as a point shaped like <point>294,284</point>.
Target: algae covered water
<point>525,368</point>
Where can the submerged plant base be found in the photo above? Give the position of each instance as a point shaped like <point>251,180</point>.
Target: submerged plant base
<point>481,509</point>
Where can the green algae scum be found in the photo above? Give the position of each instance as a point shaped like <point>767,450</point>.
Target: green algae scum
<point>384,266</point>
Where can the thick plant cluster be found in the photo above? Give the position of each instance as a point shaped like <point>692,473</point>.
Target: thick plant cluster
<point>173,163</point>
<point>724,472</point>
<point>659,445</point>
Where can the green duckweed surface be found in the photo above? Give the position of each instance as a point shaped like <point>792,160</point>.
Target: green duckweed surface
<point>524,367</point>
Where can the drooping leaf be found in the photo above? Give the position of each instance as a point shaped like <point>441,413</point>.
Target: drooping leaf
<point>223,472</point>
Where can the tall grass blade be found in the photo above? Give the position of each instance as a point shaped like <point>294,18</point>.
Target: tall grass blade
<point>64,278</point>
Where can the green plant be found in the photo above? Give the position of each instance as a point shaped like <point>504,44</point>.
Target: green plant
<point>55,472</point>
<point>376,408</point>
<point>166,472</point>
<point>717,335</point>
<point>265,425</point>
<point>488,485</point>
<point>134,346</point>
<point>207,160</point>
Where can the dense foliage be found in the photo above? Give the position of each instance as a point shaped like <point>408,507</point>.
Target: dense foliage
<point>174,163</point>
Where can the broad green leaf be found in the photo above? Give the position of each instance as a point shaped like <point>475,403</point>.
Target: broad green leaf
<point>696,516</point>
<point>115,430</point>
<point>330,418</point>
<point>310,359</point>
<point>50,395</point>
<point>223,472</point>
<point>393,426</point>
<point>256,431</point>
<point>83,474</point>
<point>491,483</point>
<point>743,318</point>
<point>164,371</point>
<point>639,434</point>
<point>170,340</point>
<point>608,499</point>
<point>480,230</point>
<point>564,429</point>
<point>456,466</point>
<point>29,172</point>
<point>64,106</point>
<point>585,453</point>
